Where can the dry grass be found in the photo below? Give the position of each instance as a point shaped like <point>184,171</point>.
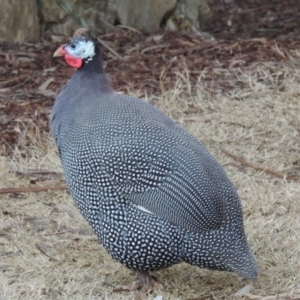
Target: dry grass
<point>48,252</point>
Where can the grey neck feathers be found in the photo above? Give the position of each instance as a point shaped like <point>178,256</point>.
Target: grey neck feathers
<point>85,88</point>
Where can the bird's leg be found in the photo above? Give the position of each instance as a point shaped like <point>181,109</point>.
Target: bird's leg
<point>144,284</point>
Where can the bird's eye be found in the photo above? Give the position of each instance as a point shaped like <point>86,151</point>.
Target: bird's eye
<point>73,45</point>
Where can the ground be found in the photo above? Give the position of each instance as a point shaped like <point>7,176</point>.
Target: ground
<point>238,94</point>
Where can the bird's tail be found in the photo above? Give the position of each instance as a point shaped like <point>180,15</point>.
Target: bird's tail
<point>220,250</point>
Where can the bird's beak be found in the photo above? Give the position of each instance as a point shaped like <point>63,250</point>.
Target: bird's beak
<point>61,51</point>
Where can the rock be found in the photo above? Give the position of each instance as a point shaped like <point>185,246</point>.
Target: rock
<point>146,15</point>
<point>99,16</point>
<point>19,20</point>
<point>195,11</point>
<point>53,13</point>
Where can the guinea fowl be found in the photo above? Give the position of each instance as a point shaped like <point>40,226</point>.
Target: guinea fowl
<point>151,191</point>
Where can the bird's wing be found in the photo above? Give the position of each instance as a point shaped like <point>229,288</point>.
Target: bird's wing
<point>174,179</point>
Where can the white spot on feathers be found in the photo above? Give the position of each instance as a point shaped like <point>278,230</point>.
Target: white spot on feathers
<point>143,209</point>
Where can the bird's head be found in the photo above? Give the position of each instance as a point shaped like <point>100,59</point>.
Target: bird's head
<point>80,50</point>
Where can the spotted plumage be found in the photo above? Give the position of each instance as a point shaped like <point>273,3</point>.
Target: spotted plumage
<point>151,191</point>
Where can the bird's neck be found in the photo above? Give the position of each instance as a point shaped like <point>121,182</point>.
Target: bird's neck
<point>94,65</point>
<point>92,71</point>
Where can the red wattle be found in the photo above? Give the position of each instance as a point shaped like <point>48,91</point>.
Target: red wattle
<point>74,62</point>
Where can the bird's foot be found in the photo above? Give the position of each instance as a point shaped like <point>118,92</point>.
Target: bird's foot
<point>144,285</point>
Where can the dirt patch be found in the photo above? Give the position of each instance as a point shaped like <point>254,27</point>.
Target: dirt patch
<point>275,19</point>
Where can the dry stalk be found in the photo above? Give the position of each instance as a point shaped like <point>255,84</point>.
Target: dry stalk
<point>244,162</point>
<point>33,189</point>
<point>110,49</point>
